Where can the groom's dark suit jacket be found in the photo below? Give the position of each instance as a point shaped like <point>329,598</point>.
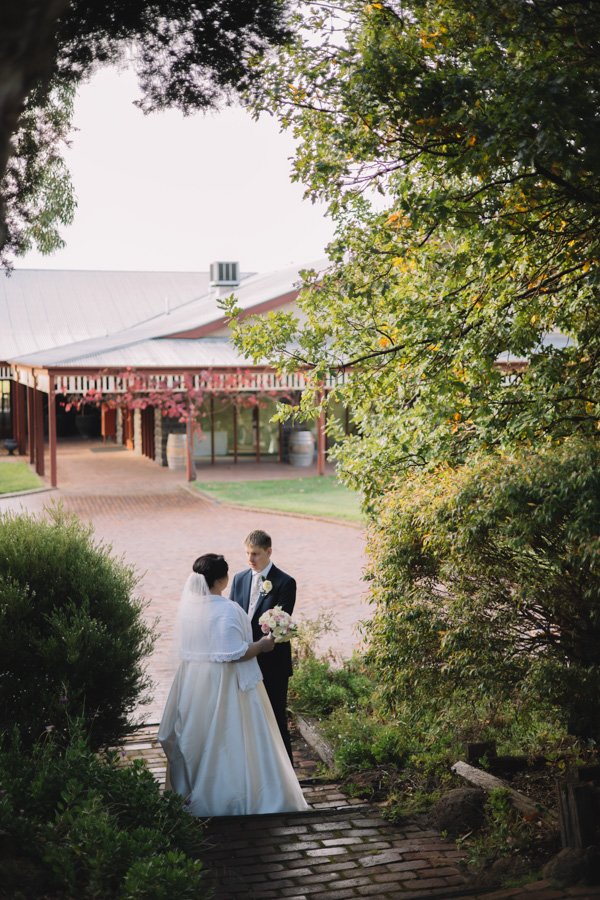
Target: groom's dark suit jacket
<point>278,663</point>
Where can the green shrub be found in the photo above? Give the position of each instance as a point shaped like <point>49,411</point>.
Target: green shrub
<point>344,697</point>
<point>70,631</point>
<point>505,832</point>
<point>317,689</point>
<point>424,737</point>
<point>91,828</point>
<point>171,875</point>
<point>486,579</point>
<point>362,741</point>
<point>389,746</point>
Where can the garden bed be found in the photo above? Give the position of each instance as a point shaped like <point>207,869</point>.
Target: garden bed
<point>523,842</point>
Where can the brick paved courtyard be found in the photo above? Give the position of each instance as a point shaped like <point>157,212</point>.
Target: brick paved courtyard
<point>150,518</point>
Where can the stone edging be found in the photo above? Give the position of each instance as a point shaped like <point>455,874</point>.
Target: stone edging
<point>272,512</point>
<point>308,726</point>
<point>42,490</point>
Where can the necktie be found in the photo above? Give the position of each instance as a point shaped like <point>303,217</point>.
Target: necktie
<point>254,593</point>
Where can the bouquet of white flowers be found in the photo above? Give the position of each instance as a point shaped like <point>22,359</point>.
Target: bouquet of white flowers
<point>279,624</point>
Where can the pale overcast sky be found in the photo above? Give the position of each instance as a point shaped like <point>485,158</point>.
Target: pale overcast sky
<point>168,193</point>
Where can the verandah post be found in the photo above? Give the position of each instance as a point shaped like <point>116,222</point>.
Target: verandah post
<point>31,423</point>
<point>52,428</point>
<point>38,418</point>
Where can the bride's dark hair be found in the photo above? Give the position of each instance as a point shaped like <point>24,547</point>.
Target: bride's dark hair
<point>213,566</point>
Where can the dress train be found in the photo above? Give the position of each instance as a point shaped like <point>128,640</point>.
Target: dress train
<point>225,752</point>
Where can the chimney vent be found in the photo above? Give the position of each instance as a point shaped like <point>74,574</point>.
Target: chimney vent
<point>224,273</point>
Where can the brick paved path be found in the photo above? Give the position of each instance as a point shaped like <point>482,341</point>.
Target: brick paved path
<point>150,518</point>
<point>339,849</point>
<point>342,849</point>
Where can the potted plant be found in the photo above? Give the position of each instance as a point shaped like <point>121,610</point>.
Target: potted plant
<point>87,421</point>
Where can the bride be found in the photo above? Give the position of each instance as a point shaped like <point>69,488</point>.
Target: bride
<point>224,750</point>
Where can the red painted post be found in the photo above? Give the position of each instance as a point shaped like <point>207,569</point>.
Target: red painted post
<point>191,474</point>
<point>321,436</point>
<point>31,424</point>
<point>212,430</point>
<point>258,432</point>
<point>21,426</point>
<point>321,444</point>
<point>12,422</point>
<point>235,432</point>
<point>39,431</point>
<point>52,428</point>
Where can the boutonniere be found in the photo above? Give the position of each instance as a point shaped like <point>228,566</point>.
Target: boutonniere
<point>266,587</point>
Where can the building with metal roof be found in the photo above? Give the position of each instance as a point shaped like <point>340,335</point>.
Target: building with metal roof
<point>130,341</point>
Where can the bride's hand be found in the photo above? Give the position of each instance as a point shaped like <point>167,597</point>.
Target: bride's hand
<point>267,643</point>
<point>262,645</point>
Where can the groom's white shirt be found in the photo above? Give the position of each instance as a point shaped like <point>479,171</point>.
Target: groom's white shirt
<point>263,575</point>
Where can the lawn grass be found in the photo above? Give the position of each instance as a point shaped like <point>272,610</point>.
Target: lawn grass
<point>17,476</point>
<point>321,496</point>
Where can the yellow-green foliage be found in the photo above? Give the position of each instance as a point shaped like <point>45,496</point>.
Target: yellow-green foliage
<point>486,579</point>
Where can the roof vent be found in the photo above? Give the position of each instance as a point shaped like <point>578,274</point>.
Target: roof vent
<point>224,273</point>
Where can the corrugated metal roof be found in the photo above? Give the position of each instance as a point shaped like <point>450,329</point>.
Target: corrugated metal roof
<point>209,352</point>
<point>41,309</point>
<point>252,291</point>
<point>165,353</point>
<point>119,319</point>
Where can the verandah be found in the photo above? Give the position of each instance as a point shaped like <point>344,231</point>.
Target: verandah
<point>234,406</point>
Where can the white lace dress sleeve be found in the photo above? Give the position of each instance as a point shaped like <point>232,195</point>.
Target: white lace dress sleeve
<point>248,672</point>
<point>222,635</point>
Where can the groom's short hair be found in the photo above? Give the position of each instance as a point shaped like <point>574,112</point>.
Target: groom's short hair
<point>258,538</point>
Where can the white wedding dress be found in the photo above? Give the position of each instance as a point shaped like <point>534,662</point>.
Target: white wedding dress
<point>224,750</point>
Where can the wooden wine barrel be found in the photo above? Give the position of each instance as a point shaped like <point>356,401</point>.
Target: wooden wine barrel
<point>177,451</point>
<point>302,448</point>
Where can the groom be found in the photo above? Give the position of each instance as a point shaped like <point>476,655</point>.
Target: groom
<point>257,589</point>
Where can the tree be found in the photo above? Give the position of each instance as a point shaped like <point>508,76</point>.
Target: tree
<point>36,189</point>
<point>457,146</point>
<point>189,54</point>
<point>477,127</point>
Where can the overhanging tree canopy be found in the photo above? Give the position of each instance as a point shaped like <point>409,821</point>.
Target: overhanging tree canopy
<point>478,126</point>
<point>461,305</point>
<point>188,53</point>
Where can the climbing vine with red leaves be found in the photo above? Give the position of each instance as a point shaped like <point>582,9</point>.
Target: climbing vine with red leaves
<point>175,396</point>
